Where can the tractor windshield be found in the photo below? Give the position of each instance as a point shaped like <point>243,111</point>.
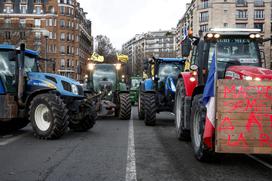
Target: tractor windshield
<point>135,82</point>
<point>169,69</point>
<point>104,73</point>
<point>234,51</point>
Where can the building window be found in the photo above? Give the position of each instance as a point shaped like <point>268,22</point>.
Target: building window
<point>62,63</point>
<point>23,9</point>
<point>62,50</point>
<point>241,2</point>
<point>38,36</point>
<point>62,10</point>
<point>259,14</point>
<point>241,14</point>
<point>8,35</point>
<point>37,22</point>
<point>226,25</point>
<point>22,22</point>
<point>62,36</point>
<point>62,23</point>
<point>38,10</point>
<point>241,25</point>
<point>204,28</point>
<point>22,35</point>
<point>258,26</point>
<point>204,17</point>
<point>258,3</point>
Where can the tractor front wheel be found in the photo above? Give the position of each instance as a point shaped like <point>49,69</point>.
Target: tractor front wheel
<point>125,106</point>
<point>198,114</point>
<point>150,109</point>
<point>49,116</point>
<point>86,123</point>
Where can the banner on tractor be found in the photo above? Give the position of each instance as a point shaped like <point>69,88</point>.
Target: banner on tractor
<point>122,58</point>
<point>97,58</point>
<point>244,117</point>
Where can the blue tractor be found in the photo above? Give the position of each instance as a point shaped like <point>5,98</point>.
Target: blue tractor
<point>157,94</point>
<point>51,102</point>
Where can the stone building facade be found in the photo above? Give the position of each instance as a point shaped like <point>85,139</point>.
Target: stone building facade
<point>146,45</point>
<point>206,14</point>
<point>58,29</point>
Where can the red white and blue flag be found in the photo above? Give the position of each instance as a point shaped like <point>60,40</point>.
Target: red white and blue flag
<point>209,102</point>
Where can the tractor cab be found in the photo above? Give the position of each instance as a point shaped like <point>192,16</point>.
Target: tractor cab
<point>104,81</point>
<point>236,50</point>
<point>8,63</point>
<point>165,72</point>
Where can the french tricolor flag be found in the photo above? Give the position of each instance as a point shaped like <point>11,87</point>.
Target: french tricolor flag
<point>209,102</point>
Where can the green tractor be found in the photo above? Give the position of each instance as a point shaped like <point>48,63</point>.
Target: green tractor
<point>134,89</point>
<point>104,83</point>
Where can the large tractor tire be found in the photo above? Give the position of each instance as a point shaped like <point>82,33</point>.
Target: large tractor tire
<point>49,116</point>
<point>141,112</point>
<point>150,109</point>
<point>125,106</point>
<point>198,115</point>
<point>180,115</point>
<point>86,123</point>
<point>13,125</point>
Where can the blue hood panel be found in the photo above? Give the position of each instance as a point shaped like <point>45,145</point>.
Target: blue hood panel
<point>54,81</point>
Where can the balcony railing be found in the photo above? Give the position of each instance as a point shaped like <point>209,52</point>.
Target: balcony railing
<point>241,3</point>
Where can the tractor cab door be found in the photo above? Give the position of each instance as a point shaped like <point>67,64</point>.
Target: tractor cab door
<point>7,71</point>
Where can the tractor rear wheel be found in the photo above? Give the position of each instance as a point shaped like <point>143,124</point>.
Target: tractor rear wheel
<point>141,113</point>
<point>86,123</point>
<point>150,109</point>
<point>49,116</point>
<point>198,114</point>
<point>125,106</point>
<point>180,116</point>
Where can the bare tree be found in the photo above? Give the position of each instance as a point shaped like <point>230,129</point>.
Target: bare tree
<point>104,47</point>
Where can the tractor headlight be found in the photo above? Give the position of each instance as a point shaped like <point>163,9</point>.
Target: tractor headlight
<point>247,77</point>
<point>74,89</point>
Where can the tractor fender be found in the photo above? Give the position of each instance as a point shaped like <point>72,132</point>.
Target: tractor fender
<point>188,84</point>
<point>37,92</point>
<point>148,85</point>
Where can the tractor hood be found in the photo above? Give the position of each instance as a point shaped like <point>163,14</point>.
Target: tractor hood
<point>65,86</point>
<point>248,73</point>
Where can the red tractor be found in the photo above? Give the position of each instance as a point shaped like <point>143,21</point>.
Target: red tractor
<point>237,57</point>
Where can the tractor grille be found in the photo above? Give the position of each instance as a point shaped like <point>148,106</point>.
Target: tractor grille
<point>66,86</point>
<point>80,90</point>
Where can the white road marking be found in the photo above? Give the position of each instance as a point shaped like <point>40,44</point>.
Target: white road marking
<point>260,161</point>
<point>12,139</point>
<point>131,160</point>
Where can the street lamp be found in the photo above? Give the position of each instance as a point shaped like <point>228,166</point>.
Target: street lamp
<point>46,36</point>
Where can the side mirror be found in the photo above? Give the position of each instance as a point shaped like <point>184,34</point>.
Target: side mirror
<point>186,47</point>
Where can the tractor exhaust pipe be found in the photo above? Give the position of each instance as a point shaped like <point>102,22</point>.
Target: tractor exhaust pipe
<point>21,80</point>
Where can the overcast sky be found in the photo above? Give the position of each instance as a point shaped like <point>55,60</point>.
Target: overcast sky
<point>120,20</point>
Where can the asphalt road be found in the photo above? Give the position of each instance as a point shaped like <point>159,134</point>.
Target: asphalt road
<point>120,150</point>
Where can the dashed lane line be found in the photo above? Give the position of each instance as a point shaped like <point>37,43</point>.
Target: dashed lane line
<point>131,160</point>
<point>260,161</point>
<point>12,139</point>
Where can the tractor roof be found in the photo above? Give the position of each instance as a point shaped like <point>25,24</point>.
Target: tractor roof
<point>169,60</point>
<point>234,31</point>
<point>13,47</point>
